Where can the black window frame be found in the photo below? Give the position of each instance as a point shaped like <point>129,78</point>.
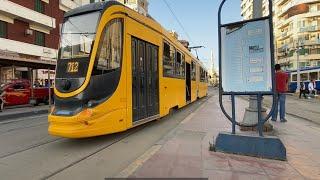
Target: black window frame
<point>37,38</point>
<point>202,75</point>
<point>39,6</point>
<point>3,29</point>
<point>180,65</point>
<point>193,71</point>
<point>168,62</point>
<point>178,69</point>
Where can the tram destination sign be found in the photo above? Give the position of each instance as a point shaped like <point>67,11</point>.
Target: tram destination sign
<point>246,57</point>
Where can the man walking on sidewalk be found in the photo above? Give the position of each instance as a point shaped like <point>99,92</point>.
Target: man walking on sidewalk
<point>281,79</point>
<point>2,99</point>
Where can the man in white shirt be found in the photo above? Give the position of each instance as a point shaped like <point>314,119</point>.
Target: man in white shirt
<point>312,87</point>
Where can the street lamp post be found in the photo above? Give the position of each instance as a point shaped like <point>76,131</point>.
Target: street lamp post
<point>298,70</point>
<point>298,50</point>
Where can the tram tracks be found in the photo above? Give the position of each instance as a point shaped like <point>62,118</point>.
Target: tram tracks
<point>30,147</point>
<point>58,156</point>
<point>122,136</point>
<point>22,127</point>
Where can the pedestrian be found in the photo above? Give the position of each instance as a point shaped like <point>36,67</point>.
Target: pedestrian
<point>312,88</point>
<point>2,99</point>
<point>281,79</point>
<point>302,90</point>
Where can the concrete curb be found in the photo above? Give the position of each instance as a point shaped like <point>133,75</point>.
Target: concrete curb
<point>23,114</point>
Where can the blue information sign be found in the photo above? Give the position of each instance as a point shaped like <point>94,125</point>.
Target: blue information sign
<point>246,57</point>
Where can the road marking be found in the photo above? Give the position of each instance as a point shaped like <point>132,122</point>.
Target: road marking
<point>139,162</point>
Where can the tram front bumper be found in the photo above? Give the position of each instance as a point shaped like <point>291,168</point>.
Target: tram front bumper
<point>86,125</point>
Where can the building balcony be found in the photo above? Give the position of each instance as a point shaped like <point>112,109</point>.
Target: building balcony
<point>309,29</point>
<point>17,11</point>
<point>67,5</point>
<point>283,23</point>
<point>283,35</point>
<point>306,57</point>
<point>7,45</point>
<point>291,4</point>
<point>311,42</point>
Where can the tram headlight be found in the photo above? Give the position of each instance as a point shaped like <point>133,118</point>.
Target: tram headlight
<point>87,113</point>
<point>90,104</point>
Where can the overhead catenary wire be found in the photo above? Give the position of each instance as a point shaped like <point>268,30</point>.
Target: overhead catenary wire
<point>179,22</point>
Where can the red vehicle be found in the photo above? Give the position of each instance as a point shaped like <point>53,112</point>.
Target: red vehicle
<point>19,92</point>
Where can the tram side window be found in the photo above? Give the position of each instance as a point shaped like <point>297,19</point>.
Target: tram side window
<point>294,78</point>
<point>180,66</point>
<point>183,66</point>
<point>193,71</point>
<point>110,48</point>
<point>202,75</point>
<point>313,75</point>
<point>304,77</point>
<point>168,60</point>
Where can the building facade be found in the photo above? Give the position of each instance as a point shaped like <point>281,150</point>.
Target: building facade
<point>247,8</point>
<point>298,33</point>
<point>29,36</point>
<point>296,30</point>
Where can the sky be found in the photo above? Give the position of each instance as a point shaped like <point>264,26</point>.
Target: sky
<point>199,19</point>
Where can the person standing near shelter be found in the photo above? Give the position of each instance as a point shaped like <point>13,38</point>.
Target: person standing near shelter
<point>281,79</point>
<point>303,90</point>
<point>312,87</point>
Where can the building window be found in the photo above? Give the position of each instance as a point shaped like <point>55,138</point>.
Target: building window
<point>3,29</point>
<point>39,6</point>
<point>39,38</point>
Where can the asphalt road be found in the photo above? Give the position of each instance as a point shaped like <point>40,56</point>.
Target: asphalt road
<point>28,152</point>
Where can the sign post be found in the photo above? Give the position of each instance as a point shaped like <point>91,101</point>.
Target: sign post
<point>246,63</point>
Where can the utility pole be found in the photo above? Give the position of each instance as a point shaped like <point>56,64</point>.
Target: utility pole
<point>251,113</point>
<point>298,66</point>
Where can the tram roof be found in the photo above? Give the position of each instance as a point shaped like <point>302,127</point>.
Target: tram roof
<point>92,7</point>
<point>305,69</point>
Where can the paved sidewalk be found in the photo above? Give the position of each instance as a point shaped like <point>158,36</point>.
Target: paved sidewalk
<point>22,111</point>
<point>184,152</point>
<point>308,109</point>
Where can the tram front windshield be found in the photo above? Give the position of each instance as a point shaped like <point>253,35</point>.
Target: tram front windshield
<point>78,33</point>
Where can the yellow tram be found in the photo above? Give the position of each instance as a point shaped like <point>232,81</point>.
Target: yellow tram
<point>118,69</point>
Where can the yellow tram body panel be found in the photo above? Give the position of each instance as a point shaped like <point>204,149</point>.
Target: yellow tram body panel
<point>116,113</point>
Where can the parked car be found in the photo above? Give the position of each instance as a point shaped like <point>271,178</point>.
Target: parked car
<point>20,92</point>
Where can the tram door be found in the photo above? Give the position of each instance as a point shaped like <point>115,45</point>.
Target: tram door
<point>145,80</point>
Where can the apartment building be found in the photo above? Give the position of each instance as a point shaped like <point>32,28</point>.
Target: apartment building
<point>296,29</point>
<point>247,8</point>
<point>29,36</point>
